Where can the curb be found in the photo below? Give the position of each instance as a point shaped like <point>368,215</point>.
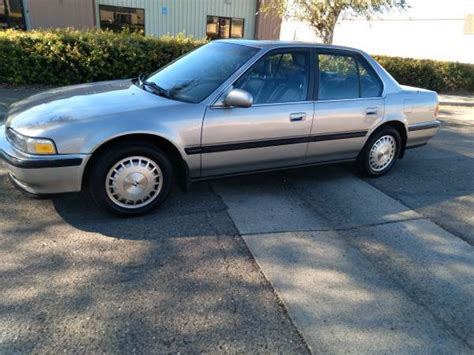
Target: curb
<point>457,103</point>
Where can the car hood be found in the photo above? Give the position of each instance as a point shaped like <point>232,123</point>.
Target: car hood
<point>39,113</point>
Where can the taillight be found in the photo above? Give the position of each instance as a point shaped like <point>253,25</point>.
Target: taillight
<point>437,110</point>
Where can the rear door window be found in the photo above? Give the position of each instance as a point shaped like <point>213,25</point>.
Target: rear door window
<point>338,77</point>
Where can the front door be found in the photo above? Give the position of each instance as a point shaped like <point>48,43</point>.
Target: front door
<point>272,132</point>
<point>348,105</point>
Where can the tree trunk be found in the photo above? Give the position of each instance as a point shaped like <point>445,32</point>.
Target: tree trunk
<point>327,31</point>
<point>328,36</point>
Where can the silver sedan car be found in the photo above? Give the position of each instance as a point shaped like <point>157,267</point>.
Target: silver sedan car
<point>229,107</point>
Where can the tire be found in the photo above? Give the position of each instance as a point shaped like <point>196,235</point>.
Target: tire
<point>130,180</point>
<point>380,152</point>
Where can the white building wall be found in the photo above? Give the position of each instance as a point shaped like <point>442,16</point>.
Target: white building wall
<point>431,30</point>
<point>187,16</point>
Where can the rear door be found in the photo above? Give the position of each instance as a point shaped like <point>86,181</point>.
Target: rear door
<point>274,131</point>
<point>349,103</point>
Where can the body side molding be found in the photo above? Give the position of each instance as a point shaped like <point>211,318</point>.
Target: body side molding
<point>272,142</point>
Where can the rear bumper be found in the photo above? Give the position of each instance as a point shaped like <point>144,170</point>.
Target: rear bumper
<point>420,133</point>
<point>42,174</point>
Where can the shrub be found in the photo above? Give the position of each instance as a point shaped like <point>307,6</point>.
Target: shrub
<point>430,74</point>
<point>61,57</point>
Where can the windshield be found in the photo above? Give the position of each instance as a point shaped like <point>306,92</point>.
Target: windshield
<point>195,76</point>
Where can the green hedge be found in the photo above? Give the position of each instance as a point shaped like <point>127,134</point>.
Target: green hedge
<point>61,57</point>
<point>430,74</point>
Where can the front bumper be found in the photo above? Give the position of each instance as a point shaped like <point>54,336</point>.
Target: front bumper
<point>42,174</point>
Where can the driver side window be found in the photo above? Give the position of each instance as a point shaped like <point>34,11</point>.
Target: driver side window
<point>278,78</point>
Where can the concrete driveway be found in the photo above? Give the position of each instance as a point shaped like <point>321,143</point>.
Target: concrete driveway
<point>314,259</point>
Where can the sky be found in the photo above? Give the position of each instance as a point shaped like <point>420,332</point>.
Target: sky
<point>433,9</point>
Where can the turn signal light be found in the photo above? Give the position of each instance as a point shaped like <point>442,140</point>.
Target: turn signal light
<point>44,148</point>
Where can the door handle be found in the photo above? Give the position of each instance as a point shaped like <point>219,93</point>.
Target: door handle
<point>372,111</point>
<point>299,116</point>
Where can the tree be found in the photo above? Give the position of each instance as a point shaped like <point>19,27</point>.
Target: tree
<point>322,15</point>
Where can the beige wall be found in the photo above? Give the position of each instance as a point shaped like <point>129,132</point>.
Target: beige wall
<point>267,27</point>
<point>61,13</point>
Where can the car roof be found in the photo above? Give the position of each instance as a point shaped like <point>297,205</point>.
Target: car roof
<point>274,44</point>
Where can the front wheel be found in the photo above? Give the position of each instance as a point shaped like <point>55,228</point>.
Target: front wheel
<point>131,181</point>
<point>380,153</point>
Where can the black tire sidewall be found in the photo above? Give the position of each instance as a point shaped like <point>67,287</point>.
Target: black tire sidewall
<point>364,159</point>
<point>103,163</point>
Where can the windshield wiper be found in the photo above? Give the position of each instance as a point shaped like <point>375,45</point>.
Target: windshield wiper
<point>156,89</point>
<point>153,86</point>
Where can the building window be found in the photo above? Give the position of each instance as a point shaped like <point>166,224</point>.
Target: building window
<point>116,18</point>
<point>224,27</point>
<point>11,14</point>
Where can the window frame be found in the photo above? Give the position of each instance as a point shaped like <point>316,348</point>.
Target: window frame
<point>312,73</point>
<point>9,19</point>
<point>230,26</point>
<point>358,59</point>
<point>129,13</point>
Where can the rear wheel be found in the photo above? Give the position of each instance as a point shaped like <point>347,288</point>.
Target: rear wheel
<point>380,153</point>
<point>131,181</point>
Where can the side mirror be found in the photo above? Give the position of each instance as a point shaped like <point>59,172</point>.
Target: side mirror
<point>238,98</point>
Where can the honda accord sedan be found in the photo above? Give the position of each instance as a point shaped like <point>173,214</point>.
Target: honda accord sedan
<point>229,107</point>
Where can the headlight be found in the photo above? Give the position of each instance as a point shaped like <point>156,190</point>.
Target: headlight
<point>31,145</point>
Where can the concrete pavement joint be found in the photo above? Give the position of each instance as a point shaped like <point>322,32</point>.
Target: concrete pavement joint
<point>453,232</point>
<point>329,229</point>
<point>280,302</point>
<point>396,281</point>
<point>400,214</point>
<point>266,248</point>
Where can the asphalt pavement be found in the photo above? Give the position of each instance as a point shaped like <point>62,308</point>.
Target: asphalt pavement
<point>75,280</point>
<point>248,264</point>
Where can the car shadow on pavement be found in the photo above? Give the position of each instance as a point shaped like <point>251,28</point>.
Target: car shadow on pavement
<point>175,280</point>
<point>199,212</point>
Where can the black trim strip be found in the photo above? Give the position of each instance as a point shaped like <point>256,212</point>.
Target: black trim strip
<point>39,163</point>
<point>422,126</point>
<point>271,142</point>
<point>335,136</point>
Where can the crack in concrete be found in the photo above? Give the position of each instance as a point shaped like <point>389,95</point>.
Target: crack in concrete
<point>335,229</point>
